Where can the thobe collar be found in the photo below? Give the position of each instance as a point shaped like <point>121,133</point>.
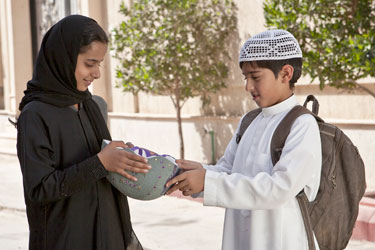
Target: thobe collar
<point>280,107</point>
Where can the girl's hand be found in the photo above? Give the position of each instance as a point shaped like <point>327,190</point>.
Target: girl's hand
<point>116,160</point>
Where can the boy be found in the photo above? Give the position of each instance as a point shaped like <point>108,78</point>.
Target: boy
<point>262,212</point>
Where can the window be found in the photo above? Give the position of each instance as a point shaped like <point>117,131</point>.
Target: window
<point>44,14</point>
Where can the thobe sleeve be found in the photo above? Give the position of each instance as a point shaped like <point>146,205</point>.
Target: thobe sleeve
<point>43,180</point>
<point>299,163</point>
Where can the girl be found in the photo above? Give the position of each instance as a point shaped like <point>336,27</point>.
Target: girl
<point>70,204</point>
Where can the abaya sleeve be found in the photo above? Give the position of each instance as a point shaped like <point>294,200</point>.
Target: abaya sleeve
<point>44,180</point>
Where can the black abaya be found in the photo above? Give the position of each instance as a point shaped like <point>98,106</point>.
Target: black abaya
<point>69,202</point>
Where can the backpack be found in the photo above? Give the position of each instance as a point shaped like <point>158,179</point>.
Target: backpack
<point>332,215</point>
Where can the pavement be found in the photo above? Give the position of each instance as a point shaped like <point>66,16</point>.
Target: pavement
<point>167,223</point>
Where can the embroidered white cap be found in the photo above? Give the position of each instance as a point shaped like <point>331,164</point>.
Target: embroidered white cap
<point>270,45</point>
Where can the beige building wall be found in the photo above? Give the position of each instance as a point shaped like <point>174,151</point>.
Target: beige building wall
<point>16,63</point>
<point>97,9</point>
<point>1,77</point>
<point>155,125</point>
<point>15,50</point>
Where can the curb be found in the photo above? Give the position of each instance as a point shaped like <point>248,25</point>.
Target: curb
<point>364,228</point>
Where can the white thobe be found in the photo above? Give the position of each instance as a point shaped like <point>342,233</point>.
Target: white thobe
<point>262,211</point>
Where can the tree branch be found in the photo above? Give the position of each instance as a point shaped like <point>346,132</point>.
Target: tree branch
<point>173,101</point>
<point>367,90</point>
<point>354,6</point>
<point>182,104</point>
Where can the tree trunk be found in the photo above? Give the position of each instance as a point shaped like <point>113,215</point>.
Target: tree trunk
<point>178,106</point>
<point>136,102</point>
<point>182,150</point>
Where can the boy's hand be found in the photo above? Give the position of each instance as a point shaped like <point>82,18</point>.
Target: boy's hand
<point>116,160</point>
<point>189,165</point>
<point>189,182</point>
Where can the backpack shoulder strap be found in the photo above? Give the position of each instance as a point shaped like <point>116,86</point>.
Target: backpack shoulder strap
<point>277,144</point>
<point>283,129</point>
<point>246,121</point>
<point>315,104</point>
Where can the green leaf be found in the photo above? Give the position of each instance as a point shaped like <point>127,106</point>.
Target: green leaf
<point>335,43</point>
<point>169,42</point>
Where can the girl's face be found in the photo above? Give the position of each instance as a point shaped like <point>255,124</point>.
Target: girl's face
<point>88,64</point>
<point>265,89</point>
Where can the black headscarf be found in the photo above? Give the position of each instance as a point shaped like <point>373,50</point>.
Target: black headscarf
<point>53,80</point>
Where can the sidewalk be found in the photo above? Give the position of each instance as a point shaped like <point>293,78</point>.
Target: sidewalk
<point>167,223</point>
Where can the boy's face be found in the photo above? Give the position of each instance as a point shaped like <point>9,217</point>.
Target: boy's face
<point>265,89</point>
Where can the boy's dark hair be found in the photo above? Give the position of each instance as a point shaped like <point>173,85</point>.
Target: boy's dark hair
<point>276,65</point>
<point>92,32</point>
